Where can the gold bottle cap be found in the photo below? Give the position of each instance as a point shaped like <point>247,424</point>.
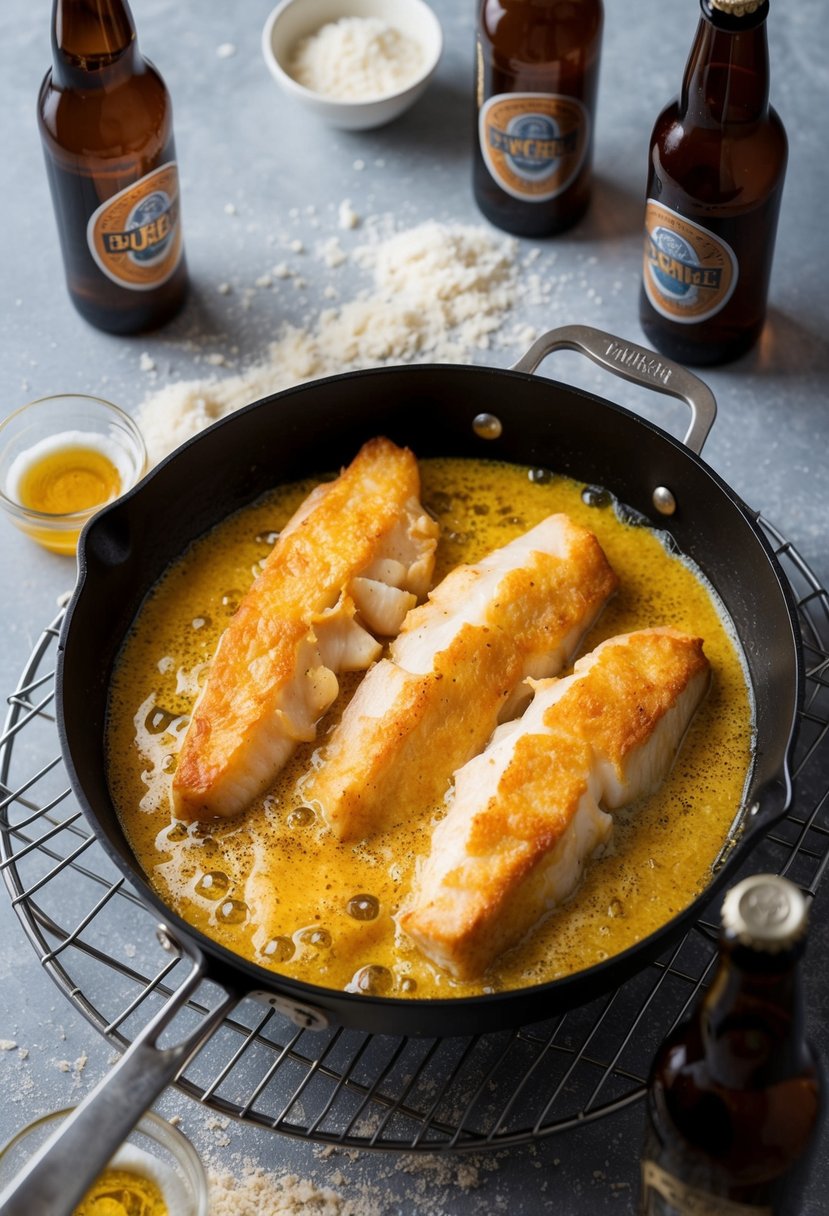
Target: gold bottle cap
<point>736,8</point>
<point>765,912</point>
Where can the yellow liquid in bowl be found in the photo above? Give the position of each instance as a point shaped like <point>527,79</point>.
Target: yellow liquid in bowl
<point>120,1192</point>
<point>64,482</point>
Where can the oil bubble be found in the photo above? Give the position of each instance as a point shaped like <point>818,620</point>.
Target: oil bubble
<point>316,936</point>
<point>541,477</point>
<point>373,980</point>
<point>279,949</point>
<point>363,907</point>
<point>596,496</point>
<point>300,817</point>
<point>213,884</point>
<point>408,985</point>
<point>232,912</point>
<point>231,600</point>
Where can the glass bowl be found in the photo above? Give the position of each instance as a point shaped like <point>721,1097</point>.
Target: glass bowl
<point>61,459</point>
<point>152,1136</point>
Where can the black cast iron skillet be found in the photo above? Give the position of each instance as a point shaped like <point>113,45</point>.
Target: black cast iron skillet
<point>435,410</point>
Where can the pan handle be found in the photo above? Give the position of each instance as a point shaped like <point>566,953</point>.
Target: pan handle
<point>635,363</point>
<point>58,1175</point>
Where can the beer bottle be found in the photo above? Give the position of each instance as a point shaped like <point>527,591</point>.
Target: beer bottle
<point>537,75</point>
<point>717,162</point>
<point>736,1095</point>
<point>106,124</point>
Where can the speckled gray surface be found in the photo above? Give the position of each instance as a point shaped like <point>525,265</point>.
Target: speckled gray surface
<point>252,167</point>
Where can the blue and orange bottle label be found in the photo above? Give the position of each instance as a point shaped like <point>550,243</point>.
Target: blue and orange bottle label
<point>135,236</point>
<point>533,144</point>
<point>689,273</point>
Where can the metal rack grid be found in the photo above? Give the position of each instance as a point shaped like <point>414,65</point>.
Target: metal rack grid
<point>344,1087</point>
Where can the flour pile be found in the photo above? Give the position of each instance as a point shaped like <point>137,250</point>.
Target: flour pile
<point>438,292</point>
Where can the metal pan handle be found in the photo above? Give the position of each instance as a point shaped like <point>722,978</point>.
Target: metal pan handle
<point>57,1177</point>
<point>635,363</point>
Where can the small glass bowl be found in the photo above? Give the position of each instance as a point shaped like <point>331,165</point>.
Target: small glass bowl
<point>152,1135</point>
<point>37,429</point>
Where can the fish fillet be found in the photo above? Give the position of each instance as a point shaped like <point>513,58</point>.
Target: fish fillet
<point>527,812</point>
<point>453,670</point>
<point>351,562</point>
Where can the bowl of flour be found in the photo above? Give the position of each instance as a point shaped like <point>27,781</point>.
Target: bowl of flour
<point>355,63</point>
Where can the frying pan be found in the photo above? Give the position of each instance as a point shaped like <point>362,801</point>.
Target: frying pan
<point>436,410</point>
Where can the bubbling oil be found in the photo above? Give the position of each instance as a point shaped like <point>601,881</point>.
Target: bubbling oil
<point>276,886</point>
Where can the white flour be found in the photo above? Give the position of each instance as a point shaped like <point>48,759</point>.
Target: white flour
<point>356,59</point>
<point>437,293</point>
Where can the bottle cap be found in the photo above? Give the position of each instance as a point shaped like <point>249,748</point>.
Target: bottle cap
<point>765,912</point>
<point>736,8</point>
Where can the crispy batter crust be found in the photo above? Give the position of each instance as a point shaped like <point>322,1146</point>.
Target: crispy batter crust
<point>526,818</point>
<point>334,535</point>
<point>406,731</point>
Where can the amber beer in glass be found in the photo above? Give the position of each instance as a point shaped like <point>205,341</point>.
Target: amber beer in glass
<point>715,179</point>
<point>736,1094</point>
<point>537,71</point>
<point>106,125</point>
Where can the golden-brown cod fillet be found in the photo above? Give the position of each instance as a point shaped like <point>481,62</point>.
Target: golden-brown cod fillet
<point>352,561</point>
<point>455,669</point>
<point>527,814</point>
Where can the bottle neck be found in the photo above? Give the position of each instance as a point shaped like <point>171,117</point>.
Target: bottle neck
<point>93,43</point>
<point>726,79</point>
<point>751,1020</point>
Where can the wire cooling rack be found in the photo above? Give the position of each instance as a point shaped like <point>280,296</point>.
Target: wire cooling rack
<point>98,942</point>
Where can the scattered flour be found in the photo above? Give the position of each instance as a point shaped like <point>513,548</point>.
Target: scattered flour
<point>437,293</point>
<point>76,1067</point>
<point>347,216</point>
<point>259,1193</point>
<point>432,1184</point>
<point>356,59</point>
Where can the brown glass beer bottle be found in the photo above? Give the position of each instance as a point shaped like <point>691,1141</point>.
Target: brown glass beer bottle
<point>105,120</point>
<point>736,1094</point>
<point>717,163</point>
<point>536,78</point>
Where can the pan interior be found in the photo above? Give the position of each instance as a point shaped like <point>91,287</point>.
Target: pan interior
<point>663,848</point>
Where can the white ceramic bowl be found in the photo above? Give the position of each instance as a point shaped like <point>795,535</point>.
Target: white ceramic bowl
<point>293,20</point>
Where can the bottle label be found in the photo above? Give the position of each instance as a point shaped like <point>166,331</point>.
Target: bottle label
<point>689,273</point>
<point>665,1195</point>
<point>533,143</point>
<point>135,236</point>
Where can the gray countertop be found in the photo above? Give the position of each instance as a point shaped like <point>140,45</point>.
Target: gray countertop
<point>258,173</point>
